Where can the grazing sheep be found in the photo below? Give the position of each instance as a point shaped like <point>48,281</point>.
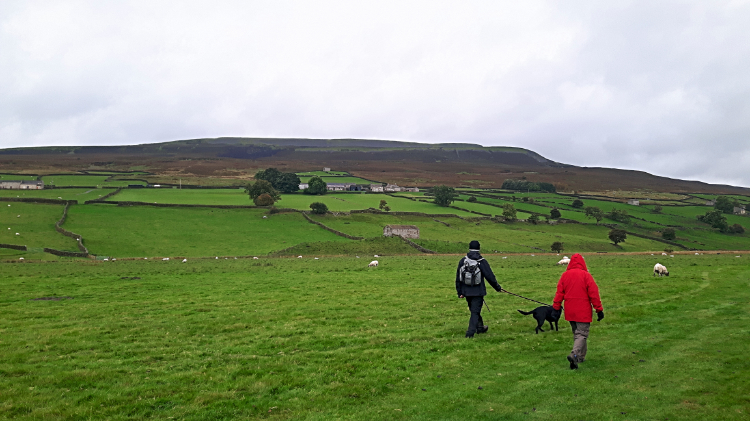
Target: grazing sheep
<point>376,256</point>
<point>316,258</point>
<point>299,257</point>
<point>18,233</point>
<point>106,260</point>
<point>374,263</point>
<point>20,258</point>
<point>165,259</point>
<point>660,270</point>
<point>564,261</point>
<point>265,217</point>
<point>184,260</point>
<point>255,258</point>
<point>664,254</point>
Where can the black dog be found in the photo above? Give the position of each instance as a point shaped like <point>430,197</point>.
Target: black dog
<point>541,314</point>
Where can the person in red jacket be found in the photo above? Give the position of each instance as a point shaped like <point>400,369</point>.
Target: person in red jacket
<point>580,292</point>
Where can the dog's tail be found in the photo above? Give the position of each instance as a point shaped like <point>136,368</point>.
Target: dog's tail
<point>525,313</point>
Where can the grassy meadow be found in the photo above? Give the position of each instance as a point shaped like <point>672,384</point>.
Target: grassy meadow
<point>287,338</point>
<point>86,181</point>
<point>32,225</point>
<point>81,195</point>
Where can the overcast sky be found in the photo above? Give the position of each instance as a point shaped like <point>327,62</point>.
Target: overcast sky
<point>657,86</point>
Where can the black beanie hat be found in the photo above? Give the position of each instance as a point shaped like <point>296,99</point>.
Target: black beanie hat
<point>474,245</point>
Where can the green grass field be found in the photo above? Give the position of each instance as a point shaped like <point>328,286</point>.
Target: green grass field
<point>339,179</point>
<point>35,224</point>
<point>81,195</point>
<point>328,339</point>
<point>17,177</point>
<point>86,181</point>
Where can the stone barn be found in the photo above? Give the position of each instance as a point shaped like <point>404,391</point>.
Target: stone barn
<point>404,231</point>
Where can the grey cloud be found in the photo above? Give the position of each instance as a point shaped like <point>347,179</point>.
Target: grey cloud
<point>660,87</point>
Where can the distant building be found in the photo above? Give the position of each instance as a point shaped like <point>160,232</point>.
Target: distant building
<point>405,231</point>
<point>739,210</point>
<point>340,186</point>
<point>392,188</point>
<point>21,184</point>
<point>710,202</point>
<point>411,189</point>
<point>326,169</point>
<point>303,186</point>
<point>634,202</point>
<point>376,188</point>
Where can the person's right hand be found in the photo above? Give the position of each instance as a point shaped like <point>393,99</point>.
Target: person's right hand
<point>460,296</point>
<point>599,316</point>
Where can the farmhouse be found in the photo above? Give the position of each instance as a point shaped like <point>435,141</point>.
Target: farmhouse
<point>634,202</point>
<point>392,188</point>
<point>404,231</point>
<point>739,210</point>
<point>411,189</point>
<point>341,186</point>
<point>303,186</point>
<point>326,169</point>
<point>710,202</point>
<point>22,184</point>
<point>376,188</point>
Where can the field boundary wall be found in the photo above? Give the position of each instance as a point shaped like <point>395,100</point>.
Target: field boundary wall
<point>38,200</point>
<point>184,205</point>
<point>647,237</point>
<point>416,246</point>
<point>103,198</point>
<point>327,228</point>
<point>63,231</point>
<point>13,246</point>
<point>430,215</point>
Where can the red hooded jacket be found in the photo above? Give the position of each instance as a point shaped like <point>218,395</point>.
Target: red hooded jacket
<point>579,291</point>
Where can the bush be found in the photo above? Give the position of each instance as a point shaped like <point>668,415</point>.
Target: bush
<point>471,199</point>
<point>736,229</point>
<point>619,216</point>
<point>617,236</point>
<point>594,212</point>
<point>318,208</point>
<point>668,250</point>
<point>657,209</point>
<point>577,204</point>
<point>274,210</point>
<point>264,199</point>
<point>555,213</point>
<point>534,219</point>
<point>724,204</point>
<point>528,186</point>
<point>557,247</point>
<point>668,234</point>
<point>715,219</point>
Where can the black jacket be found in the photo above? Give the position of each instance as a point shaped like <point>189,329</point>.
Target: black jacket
<point>477,290</point>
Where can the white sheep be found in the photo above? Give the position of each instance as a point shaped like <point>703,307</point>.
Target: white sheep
<point>18,233</point>
<point>20,258</point>
<point>106,260</point>
<point>299,257</point>
<point>660,270</point>
<point>664,254</point>
<point>255,258</point>
<point>374,263</point>
<point>184,260</point>
<point>376,256</point>
<point>165,259</point>
<point>564,261</point>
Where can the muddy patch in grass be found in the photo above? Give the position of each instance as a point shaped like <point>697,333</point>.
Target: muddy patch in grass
<point>51,298</point>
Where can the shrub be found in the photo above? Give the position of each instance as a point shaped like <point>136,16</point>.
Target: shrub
<point>264,199</point>
<point>318,208</point>
<point>668,250</point>
<point>274,210</point>
<point>736,229</point>
<point>619,216</point>
<point>383,205</point>
<point>555,213</point>
<point>594,212</point>
<point>557,247</point>
<point>529,186</point>
<point>577,204</point>
<point>657,209</point>
<point>668,234</point>
<point>724,204</point>
<point>715,219</point>
<point>534,219</point>
<point>617,236</point>
<point>471,199</point>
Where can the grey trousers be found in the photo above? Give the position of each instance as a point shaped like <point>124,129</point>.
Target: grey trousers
<point>580,335</point>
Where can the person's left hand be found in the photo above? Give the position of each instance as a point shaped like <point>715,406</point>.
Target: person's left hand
<point>599,315</point>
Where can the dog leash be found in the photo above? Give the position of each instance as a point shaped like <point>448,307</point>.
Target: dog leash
<point>508,292</point>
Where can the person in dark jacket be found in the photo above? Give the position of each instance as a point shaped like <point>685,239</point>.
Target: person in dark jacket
<point>580,292</point>
<point>474,294</point>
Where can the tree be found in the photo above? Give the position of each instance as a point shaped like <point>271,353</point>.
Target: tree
<point>594,212</point>
<point>318,208</point>
<point>554,213</point>
<point>668,234</point>
<point>471,199</point>
<point>444,195</point>
<point>617,236</point>
<point>316,185</point>
<point>657,209</point>
<point>264,199</point>
<point>619,216</point>
<point>724,204</point>
<point>509,212</point>
<point>715,219</point>
<point>261,187</point>
<point>384,206</point>
<point>557,247</point>
<point>287,182</point>
<point>270,175</point>
<point>577,204</point>
<point>736,229</point>
<point>534,219</point>
<point>513,198</point>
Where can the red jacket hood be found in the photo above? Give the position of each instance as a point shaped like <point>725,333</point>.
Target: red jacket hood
<point>577,262</point>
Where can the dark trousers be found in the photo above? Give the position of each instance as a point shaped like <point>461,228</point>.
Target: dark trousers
<point>475,306</point>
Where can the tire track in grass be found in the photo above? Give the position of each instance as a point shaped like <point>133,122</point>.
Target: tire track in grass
<point>700,288</point>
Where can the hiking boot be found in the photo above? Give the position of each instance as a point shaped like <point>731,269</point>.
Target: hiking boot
<point>573,362</point>
<point>469,336</point>
<point>483,329</point>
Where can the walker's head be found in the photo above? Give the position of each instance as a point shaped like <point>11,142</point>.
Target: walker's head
<point>474,245</point>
